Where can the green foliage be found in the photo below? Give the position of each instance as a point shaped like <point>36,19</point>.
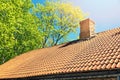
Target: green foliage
<point>56,20</point>
<point>18,30</point>
<point>24,27</point>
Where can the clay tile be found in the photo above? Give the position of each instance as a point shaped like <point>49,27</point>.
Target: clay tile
<point>82,69</point>
<point>76,69</point>
<point>107,61</point>
<point>102,62</point>
<point>111,61</point>
<point>90,67</point>
<point>107,55</point>
<point>94,63</point>
<point>94,67</point>
<point>98,62</point>
<point>114,57</point>
<point>110,51</point>
<point>86,68</point>
<point>106,51</point>
<point>99,67</point>
<point>103,66</point>
<point>116,53</point>
<point>97,59</point>
<point>89,64</point>
<point>113,66</point>
<point>118,56</point>
<point>114,50</point>
<point>116,47</point>
<point>108,66</point>
<point>118,50</point>
<point>116,60</point>
<point>113,53</point>
<point>118,65</point>
<point>105,58</point>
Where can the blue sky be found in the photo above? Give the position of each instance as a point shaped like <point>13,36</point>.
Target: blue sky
<point>38,1</point>
<point>105,13</point>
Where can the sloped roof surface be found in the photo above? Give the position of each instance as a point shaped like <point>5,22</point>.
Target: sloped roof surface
<point>99,53</point>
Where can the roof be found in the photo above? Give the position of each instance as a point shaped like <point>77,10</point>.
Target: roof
<point>99,53</point>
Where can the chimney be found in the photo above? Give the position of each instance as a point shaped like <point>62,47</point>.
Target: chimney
<point>87,29</point>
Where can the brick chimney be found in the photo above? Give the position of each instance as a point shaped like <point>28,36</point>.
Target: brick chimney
<point>87,29</point>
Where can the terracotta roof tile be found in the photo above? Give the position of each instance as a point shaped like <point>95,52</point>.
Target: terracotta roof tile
<point>113,65</point>
<point>118,65</point>
<point>99,53</point>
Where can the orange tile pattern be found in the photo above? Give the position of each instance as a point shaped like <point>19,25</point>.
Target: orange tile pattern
<point>99,53</point>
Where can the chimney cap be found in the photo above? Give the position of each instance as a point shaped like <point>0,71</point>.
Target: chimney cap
<point>88,19</point>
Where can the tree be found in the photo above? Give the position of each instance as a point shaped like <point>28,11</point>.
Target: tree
<point>18,30</point>
<point>24,28</point>
<point>56,20</point>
